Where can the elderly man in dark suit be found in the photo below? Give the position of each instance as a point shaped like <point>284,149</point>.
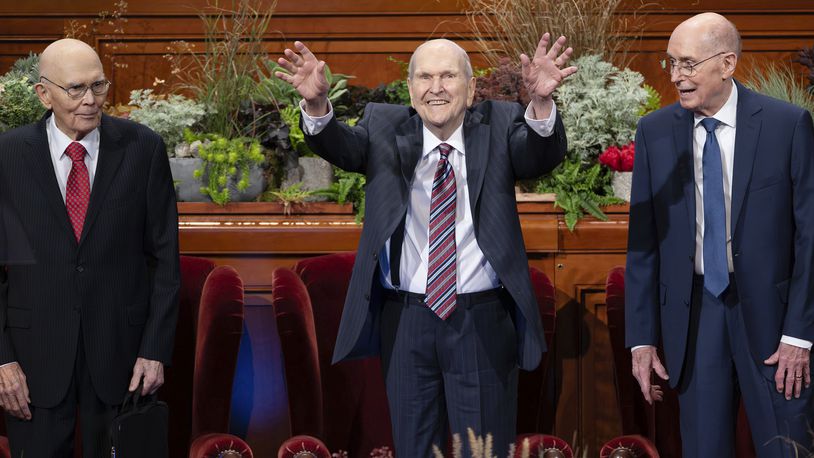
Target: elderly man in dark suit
<point>440,288</point>
<point>720,264</point>
<point>95,314</point>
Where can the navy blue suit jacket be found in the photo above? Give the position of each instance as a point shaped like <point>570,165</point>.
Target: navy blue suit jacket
<point>386,146</point>
<point>772,230</point>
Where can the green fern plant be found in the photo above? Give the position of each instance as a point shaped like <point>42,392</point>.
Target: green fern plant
<point>349,187</point>
<point>580,189</point>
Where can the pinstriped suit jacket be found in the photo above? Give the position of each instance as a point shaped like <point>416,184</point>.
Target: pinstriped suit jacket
<point>118,286</point>
<point>386,146</point>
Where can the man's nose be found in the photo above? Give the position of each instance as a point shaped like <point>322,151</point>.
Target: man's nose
<point>437,85</point>
<point>88,98</point>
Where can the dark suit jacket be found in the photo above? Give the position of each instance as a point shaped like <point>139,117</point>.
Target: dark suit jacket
<point>772,228</point>
<point>118,286</point>
<point>386,146</point>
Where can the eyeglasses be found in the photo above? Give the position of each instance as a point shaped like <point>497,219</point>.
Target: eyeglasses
<point>79,91</point>
<point>684,68</point>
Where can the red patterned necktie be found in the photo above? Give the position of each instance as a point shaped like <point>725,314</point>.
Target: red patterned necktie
<point>441,271</point>
<point>77,190</point>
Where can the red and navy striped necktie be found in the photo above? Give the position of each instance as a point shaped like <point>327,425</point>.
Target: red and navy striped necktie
<point>441,270</point>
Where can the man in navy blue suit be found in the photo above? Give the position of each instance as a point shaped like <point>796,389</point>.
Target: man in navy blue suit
<point>440,288</point>
<point>720,266</point>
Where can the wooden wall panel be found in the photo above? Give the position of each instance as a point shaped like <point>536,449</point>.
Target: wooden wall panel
<point>357,37</point>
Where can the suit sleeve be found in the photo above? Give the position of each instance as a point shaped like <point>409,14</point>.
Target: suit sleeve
<point>533,155</point>
<point>343,145</point>
<point>161,252</point>
<point>799,320</point>
<point>642,271</point>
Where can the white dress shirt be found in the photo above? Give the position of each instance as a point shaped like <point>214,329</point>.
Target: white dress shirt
<point>58,142</point>
<point>725,134</point>
<point>474,273</point>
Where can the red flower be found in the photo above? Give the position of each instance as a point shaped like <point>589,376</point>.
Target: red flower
<point>618,159</point>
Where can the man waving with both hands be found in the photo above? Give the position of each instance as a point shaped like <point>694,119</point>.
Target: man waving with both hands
<point>440,288</point>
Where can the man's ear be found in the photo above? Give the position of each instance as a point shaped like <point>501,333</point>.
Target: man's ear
<point>44,95</point>
<point>730,62</point>
<point>410,90</point>
<point>470,92</point>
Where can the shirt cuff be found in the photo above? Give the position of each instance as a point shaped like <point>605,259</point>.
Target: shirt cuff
<point>312,125</point>
<point>543,127</point>
<point>636,347</point>
<point>796,342</point>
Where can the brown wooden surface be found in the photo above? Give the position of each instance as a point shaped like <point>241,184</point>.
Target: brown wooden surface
<point>357,37</point>
<point>255,239</point>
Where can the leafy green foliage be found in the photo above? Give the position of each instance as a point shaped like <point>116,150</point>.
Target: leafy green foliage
<point>289,196</point>
<point>19,104</point>
<point>781,83</point>
<point>581,188</point>
<point>653,102</point>
<point>169,116</point>
<point>224,161</point>
<point>349,187</point>
<point>291,116</point>
<point>600,106</point>
<point>271,89</point>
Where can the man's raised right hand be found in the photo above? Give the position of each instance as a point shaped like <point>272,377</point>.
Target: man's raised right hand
<point>307,74</point>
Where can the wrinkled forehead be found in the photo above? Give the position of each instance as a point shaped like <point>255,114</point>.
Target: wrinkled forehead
<point>438,55</point>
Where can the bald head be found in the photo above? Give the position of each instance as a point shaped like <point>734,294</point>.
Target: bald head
<point>713,32</point>
<point>73,86</point>
<point>443,45</point>
<point>67,54</point>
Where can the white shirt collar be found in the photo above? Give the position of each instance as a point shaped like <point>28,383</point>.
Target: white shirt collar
<point>456,140</point>
<point>728,113</point>
<point>60,141</point>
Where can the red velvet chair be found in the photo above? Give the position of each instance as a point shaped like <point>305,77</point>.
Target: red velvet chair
<point>633,446</point>
<point>198,387</point>
<point>542,445</point>
<point>303,446</point>
<point>658,423</point>
<point>535,410</point>
<point>350,409</point>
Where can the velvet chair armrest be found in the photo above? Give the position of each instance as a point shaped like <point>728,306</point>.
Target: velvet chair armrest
<point>219,445</point>
<point>632,446</point>
<point>303,446</point>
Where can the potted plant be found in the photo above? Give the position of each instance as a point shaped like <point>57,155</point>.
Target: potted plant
<point>19,104</point>
<point>170,116</point>
<point>230,167</point>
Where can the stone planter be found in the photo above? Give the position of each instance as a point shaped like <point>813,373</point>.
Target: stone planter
<point>188,188</point>
<point>314,173</point>
<point>620,182</point>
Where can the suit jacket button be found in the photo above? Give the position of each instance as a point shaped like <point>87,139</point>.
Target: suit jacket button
<point>367,296</point>
<point>375,256</point>
<point>80,269</point>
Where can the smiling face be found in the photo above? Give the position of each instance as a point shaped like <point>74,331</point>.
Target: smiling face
<point>70,63</point>
<point>441,87</point>
<point>694,40</point>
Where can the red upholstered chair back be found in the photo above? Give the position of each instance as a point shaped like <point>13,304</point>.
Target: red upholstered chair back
<point>198,384</point>
<point>660,422</point>
<point>295,328</point>
<point>355,412</point>
<point>535,411</point>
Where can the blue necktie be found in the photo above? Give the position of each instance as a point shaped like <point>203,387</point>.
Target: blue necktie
<point>716,269</point>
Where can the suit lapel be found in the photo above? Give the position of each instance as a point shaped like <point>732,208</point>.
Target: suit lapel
<point>476,142</point>
<point>409,141</point>
<point>42,168</point>
<point>682,137</point>
<point>747,132</point>
<point>111,153</point>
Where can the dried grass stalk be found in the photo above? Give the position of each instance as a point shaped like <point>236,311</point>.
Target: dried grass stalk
<point>511,27</point>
